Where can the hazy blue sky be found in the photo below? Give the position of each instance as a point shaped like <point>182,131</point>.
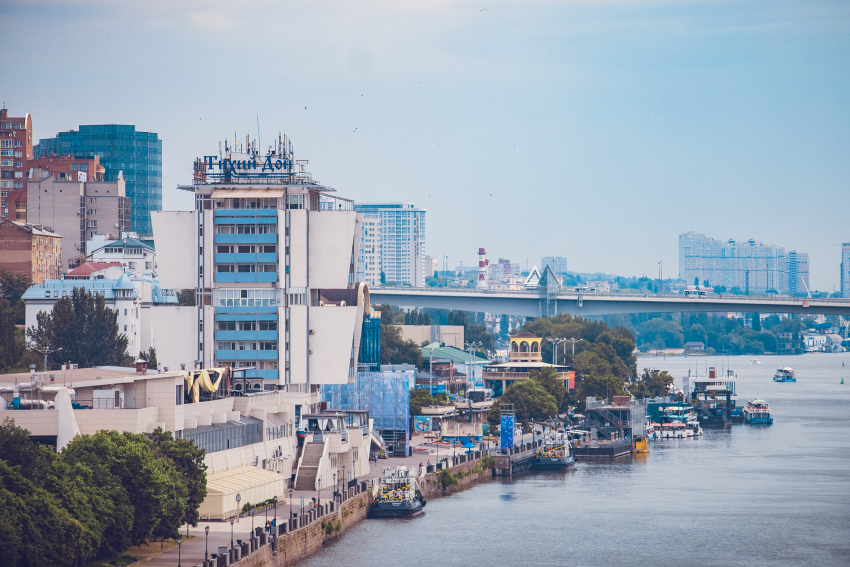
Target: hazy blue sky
<point>594,130</point>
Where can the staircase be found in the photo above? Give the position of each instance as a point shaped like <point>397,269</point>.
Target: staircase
<point>308,468</point>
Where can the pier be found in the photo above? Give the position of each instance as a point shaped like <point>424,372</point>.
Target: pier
<point>515,460</point>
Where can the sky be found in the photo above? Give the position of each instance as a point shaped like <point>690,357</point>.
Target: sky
<point>596,130</point>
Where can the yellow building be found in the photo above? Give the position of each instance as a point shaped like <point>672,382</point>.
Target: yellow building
<point>525,355</point>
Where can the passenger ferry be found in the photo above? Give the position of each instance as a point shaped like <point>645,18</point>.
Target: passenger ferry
<point>398,495</point>
<point>554,453</point>
<point>676,431</point>
<point>757,412</point>
<point>785,375</point>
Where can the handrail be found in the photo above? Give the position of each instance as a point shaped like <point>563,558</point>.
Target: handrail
<point>535,294</point>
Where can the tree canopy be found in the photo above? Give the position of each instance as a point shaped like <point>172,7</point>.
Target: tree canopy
<point>84,328</point>
<point>102,494</point>
<point>396,350</point>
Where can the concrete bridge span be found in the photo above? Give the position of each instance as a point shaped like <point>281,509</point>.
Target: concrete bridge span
<point>534,303</point>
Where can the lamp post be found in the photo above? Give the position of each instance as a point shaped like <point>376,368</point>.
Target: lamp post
<point>335,486</point>
<point>266,525</point>
<point>344,478</point>
<point>275,510</point>
<point>179,543</point>
<point>207,543</point>
<point>319,492</point>
<point>238,511</point>
<point>231,533</point>
<point>45,352</point>
<point>574,341</point>
<point>471,347</point>
<point>555,343</point>
<point>290,505</point>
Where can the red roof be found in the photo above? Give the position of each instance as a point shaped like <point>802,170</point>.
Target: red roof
<point>88,268</point>
<point>525,335</point>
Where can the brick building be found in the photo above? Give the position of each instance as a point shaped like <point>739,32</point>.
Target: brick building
<point>31,250</point>
<point>66,168</point>
<point>15,151</point>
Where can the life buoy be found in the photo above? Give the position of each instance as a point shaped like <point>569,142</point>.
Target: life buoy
<point>619,422</point>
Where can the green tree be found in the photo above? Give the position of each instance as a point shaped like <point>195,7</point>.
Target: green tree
<point>531,400</point>
<point>651,384</point>
<point>84,328</point>
<point>13,287</point>
<point>150,356</point>
<point>396,350</point>
<point>696,280</point>
<point>755,321</point>
<point>659,333</point>
<point>188,460</point>
<point>504,326</point>
<point>552,383</point>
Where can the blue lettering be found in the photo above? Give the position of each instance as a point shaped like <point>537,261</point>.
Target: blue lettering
<point>268,164</point>
<point>278,164</point>
<point>209,160</point>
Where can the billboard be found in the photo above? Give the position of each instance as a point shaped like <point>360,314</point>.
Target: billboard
<point>422,423</point>
<point>507,430</point>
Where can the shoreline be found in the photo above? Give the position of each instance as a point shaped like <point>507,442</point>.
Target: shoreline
<point>303,542</point>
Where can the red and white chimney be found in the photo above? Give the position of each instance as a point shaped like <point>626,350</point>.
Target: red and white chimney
<point>482,269</point>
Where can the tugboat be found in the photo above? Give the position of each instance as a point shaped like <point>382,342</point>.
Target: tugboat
<point>785,375</point>
<point>555,453</point>
<point>398,495</point>
<point>757,412</point>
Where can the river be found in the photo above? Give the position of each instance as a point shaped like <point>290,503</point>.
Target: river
<point>752,495</point>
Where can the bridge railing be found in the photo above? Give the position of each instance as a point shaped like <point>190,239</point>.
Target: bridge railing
<point>533,293</point>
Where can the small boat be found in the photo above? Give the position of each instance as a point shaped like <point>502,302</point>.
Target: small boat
<point>785,375</point>
<point>554,453</point>
<point>755,361</point>
<point>693,426</point>
<point>757,412</point>
<point>398,495</point>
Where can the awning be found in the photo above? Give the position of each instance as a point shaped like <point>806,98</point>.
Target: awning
<point>253,485</point>
<point>274,420</point>
<point>247,193</point>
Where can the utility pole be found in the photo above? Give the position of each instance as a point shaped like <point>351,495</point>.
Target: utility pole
<point>574,341</point>
<point>45,352</point>
<point>555,343</point>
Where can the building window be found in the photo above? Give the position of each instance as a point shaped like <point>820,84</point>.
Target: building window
<point>245,249</point>
<point>225,326</point>
<point>247,325</point>
<point>268,365</point>
<point>295,201</point>
<point>268,345</point>
<point>268,325</point>
<point>267,229</point>
<point>226,346</point>
<point>246,268</point>
<point>224,229</point>
<point>224,249</point>
<point>224,268</point>
<point>247,345</point>
<point>178,394</point>
<point>267,268</point>
<point>246,229</point>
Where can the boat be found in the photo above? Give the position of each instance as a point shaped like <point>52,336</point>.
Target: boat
<point>713,397</point>
<point>554,453</point>
<point>398,495</point>
<point>785,375</point>
<point>757,412</point>
<point>675,431</point>
<point>755,361</point>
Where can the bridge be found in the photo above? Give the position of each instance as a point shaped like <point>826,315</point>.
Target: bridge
<point>547,303</point>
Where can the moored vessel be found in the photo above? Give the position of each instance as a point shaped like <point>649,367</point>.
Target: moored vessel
<point>398,495</point>
<point>554,453</point>
<point>786,374</point>
<point>757,412</point>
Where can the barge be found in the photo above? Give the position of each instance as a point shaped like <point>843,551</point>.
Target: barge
<point>554,454</point>
<point>398,495</point>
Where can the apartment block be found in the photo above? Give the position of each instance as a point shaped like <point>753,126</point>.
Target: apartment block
<point>30,250</point>
<point>15,150</point>
<point>77,210</point>
<point>402,239</point>
<point>557,263</point>
<point>751,266</point>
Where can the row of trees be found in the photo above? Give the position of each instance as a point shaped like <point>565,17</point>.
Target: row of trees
<point>748,335</point>
<point>101,495</point>
<point>14,356</point>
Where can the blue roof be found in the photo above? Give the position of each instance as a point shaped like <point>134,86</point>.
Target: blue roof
<point>101,287</point>
<point>123,282</point>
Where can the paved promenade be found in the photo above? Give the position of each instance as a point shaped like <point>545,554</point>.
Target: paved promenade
<point>192,553</point>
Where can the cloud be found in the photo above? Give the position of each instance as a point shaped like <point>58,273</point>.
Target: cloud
<point>210,21</point>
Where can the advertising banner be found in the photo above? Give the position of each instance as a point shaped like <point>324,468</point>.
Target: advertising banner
<point>507,429</point>
<point>422,423</point>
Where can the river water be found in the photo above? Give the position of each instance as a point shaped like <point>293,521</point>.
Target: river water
<point>752,495</point>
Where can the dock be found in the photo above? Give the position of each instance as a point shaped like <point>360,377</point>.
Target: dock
<point>515,460</point>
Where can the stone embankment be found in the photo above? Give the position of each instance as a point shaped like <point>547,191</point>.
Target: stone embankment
<point>301,537</point>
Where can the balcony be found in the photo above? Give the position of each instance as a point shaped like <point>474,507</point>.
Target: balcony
<point>515,375</point>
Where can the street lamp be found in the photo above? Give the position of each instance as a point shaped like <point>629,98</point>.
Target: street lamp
<point>471,347</point>
<point>238,511</point>
<point>290,505</point>
<point>555,343</point>
<point>319,492</point>
<point>179,543</point>
<point>275,510</point>
<point>207,543</point>
<point>231,533</point>
<point>344,478</point>
<point>574,341</point>
<point>335,486</point>
<point>45,352</point>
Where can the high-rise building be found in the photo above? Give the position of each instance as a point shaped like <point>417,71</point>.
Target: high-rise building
<point>121,149</point>
<point>750,266</point>
<point>77,210</point>
<point>271,256</point>
<point>15,150</point>
<point>369,257</point>
<point>431,267</point>
<point>557,263</point>
<point>845,269</point>
<point>402,241</point>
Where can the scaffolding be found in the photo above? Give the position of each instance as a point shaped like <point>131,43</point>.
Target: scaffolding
<point>386,395</point>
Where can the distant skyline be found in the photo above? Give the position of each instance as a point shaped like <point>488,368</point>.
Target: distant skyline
<point>598,131</point>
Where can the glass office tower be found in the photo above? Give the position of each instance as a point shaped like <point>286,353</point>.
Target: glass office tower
<point>121,148</point>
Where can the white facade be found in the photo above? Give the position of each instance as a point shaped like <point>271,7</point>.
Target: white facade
<point>401,251</point>
<point>751,266</point>
<point>271,256</point>
<point>133,254</point>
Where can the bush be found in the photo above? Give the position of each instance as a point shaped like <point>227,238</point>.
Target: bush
<point>488,462</point>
